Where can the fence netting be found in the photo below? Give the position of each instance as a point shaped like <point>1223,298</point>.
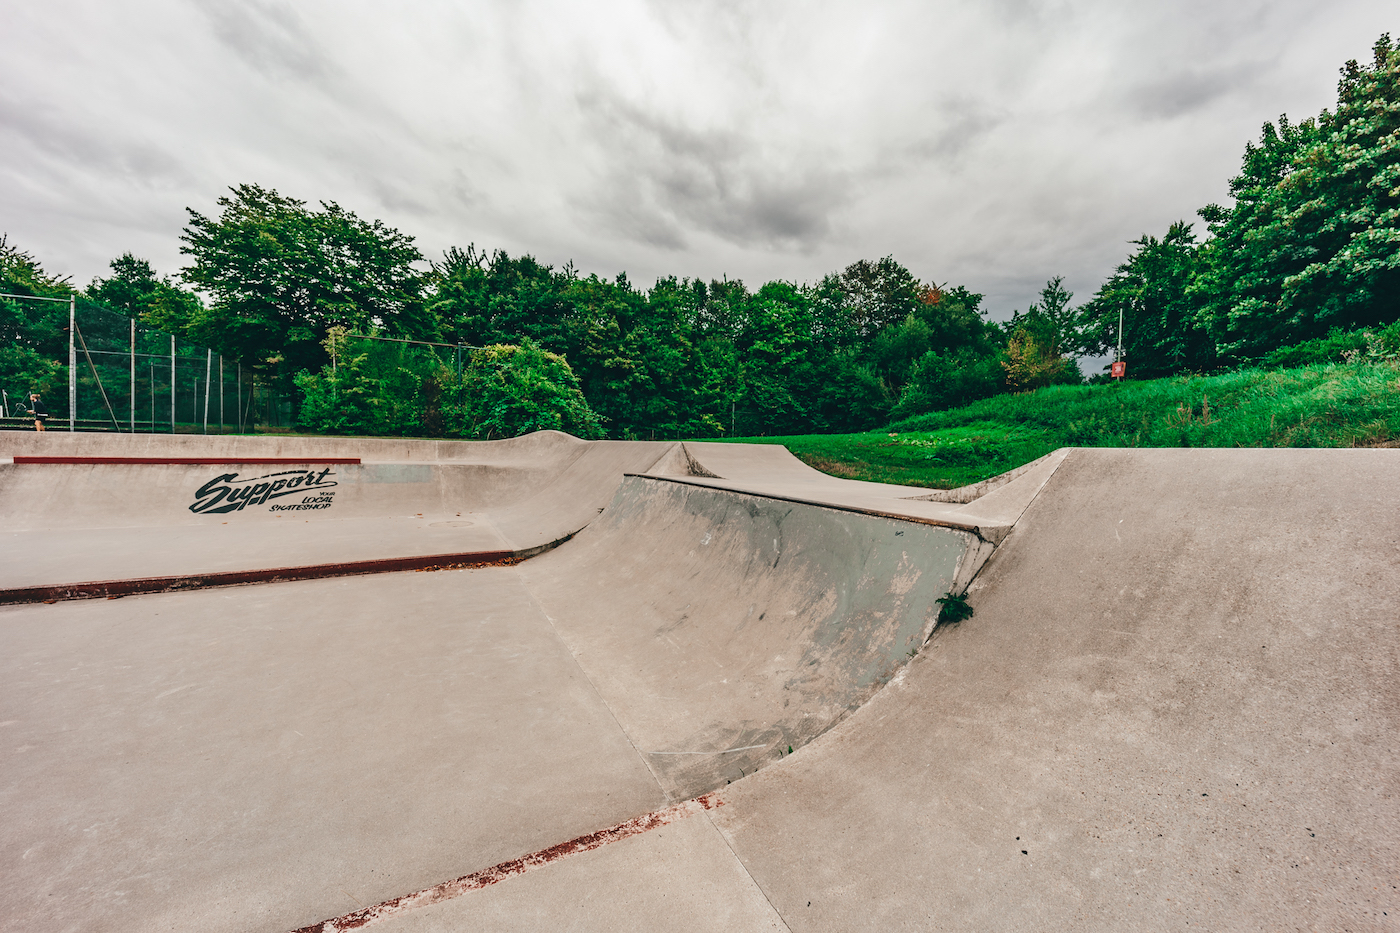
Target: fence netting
<point>129,377</point>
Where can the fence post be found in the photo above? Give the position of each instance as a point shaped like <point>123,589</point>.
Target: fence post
<point>133,375</point>
<point>221,393</point>
<point>172,383</point>
<point>208,371</point>
<point>72,364</point>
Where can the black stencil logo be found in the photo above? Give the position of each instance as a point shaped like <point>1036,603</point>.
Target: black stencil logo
<point>229,493</point>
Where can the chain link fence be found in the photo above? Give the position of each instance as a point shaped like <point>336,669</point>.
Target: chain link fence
<point>122,375</point>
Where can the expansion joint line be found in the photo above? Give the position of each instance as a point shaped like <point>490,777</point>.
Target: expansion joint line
<point>646,761</point>
<point>447,890</point>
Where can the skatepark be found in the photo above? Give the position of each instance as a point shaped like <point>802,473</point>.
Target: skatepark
<point>284,684</point>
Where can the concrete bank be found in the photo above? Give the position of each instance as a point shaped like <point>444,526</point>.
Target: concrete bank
<point>266,757</point>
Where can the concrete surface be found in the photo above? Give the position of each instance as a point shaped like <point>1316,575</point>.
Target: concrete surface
<point>1174,707</point>
<point>773,472</point>
<point>1177,697</point>
<point>245,759</point>
<point>723,630</point>
<point>77,523</point>
<point>681,878</point>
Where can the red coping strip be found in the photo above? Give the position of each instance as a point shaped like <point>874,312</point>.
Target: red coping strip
<point>189,461</point>
<point>489,876</point>
<point>114,589</point>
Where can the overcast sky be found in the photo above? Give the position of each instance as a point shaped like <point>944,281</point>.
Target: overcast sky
<point>991,143</point>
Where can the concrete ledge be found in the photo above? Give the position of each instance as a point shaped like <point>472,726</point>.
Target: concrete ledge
<point>115,589</point>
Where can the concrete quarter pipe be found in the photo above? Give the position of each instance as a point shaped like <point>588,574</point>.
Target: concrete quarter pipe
<point>687,700</point>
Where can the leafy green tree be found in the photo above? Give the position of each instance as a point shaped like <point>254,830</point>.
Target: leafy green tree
<point>1161,332</point>
<point>1037,340</point>
<point>368,388</point>
<point>135,290</point>
<point>1033,363</point>
<point>280,275</point>
<point>1313,240</point>
<point>33,334</point>
<point>878,294</point>
<point>948,324</point>
<point>938,381</point>
<point>780,378</point>
<point>510,390</point>
<point>957,322</point>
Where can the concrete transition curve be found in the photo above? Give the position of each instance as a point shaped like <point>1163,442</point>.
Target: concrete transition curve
<point>692,686</point>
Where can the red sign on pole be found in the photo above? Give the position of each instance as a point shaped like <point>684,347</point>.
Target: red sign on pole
<point>1119,369</point>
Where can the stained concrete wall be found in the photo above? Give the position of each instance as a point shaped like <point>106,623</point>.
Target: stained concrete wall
<point>723,629</point>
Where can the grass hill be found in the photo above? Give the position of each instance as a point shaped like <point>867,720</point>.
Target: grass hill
<point>1340,405</point>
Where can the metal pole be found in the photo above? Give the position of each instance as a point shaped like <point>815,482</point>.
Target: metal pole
<point>221,393</point>
<point>152,385</point>
<point>208,371</point>
<point>238,408</point>
<point>133,375</point>
<point>1120,335</point>
<point>172,385</point>
<point>72,364</point>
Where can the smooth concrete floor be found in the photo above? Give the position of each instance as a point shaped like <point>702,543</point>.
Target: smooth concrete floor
<point>1176,707</point>
<point>242,759</point>
<point>47,557</point>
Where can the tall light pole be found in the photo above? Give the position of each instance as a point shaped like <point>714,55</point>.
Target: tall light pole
<point>1119,369</point>
<point>72,364</point>
<point>133,375</point>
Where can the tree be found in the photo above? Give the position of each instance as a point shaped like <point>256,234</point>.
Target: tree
<point>941,381</point>
<point>33,334</point>
<point>136,291</point>
<point>509,390</point>
<point>878,294</point>
<point>1161,333</point>
<point>1313,240</point>
<point>1037,339</point>
<point>281,275</point>
<point>367,389</point>
<point>1031,363</point>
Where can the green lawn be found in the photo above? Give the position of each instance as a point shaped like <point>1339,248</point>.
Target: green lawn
<point>1343,405</point>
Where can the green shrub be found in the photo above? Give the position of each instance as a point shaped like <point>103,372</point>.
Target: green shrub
<point>508,390</point>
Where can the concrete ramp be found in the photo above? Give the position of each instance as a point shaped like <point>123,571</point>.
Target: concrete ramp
<point>265,757</point>
<point>1175,708</point>
<point>725,630</point>
<point>259,505</point>
<point>717,705</point>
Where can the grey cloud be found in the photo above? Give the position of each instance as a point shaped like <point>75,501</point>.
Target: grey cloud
<point>1190,88</point>
<point>268,35</point>
<point>955,126</point>
<point>663,178</point>
<point>84,146</point>
<point>992,143</point>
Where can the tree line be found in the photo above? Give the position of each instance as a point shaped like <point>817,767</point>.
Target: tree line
<point>1310,246</point>
<point>1307,254</point>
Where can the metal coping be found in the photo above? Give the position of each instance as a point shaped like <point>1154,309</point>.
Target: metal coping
<point>702,482</point>
<point>114,589</point>
<point>185,461</point>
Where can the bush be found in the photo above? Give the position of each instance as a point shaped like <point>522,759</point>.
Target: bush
<point>365,391</point>
<point>1338,346</point>
<point>508,390</point>
<point>939,382</point>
